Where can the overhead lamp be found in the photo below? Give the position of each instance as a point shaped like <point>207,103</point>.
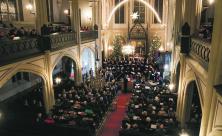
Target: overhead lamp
<point>171,86</point>
<point>58,80</point>
<point>110,48</point>
<point>184,134</point>
<point>161,49</point>
<point>211,1</point>
<point>66,12</point>
<point>166,67</point>
<point>128,49</point>
<point>29,6</point>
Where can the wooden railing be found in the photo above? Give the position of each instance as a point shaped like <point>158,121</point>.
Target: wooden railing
<point>88,35</point>
<point>200,50</point>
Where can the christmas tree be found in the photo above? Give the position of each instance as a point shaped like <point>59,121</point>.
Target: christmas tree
<point>155,45</point>
<point>117,47</point>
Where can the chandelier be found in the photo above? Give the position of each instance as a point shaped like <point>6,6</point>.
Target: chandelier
<point>128,49</point>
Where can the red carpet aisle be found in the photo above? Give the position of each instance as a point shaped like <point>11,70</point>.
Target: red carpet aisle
<point>112,125</point>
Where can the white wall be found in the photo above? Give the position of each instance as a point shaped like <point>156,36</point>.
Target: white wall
<point>86,13</point>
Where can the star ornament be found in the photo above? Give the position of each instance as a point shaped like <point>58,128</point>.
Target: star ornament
<point>135,15</point>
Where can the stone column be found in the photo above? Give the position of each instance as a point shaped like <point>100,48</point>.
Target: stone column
<point>41,14</point>
<point>192,13</point>
<point>46,96</point>
<point>214,73</point>
<point>79,75</point>
<point>75,23</point>
<point>75,19</point>
<point>181,87</point>
<point>49,85</point>
<point>99,23</point>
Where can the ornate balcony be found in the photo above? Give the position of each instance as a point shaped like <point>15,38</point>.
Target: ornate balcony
<point>200,50</point>
<point>87,36</point>
<point>15,50</point>
<point>58,41</point>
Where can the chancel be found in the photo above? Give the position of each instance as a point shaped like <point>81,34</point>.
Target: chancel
<point>110,68</point>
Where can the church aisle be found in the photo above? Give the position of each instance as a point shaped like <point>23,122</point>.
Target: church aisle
<point>113,122</point>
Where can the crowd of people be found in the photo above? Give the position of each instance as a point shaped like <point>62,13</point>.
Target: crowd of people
<point>10,32</point>
<point>87,28</point>
<point>205,32</point>
<point>81,106</point>
<point>133,70</point>
<point>151,111</point>
<point>22,109</point>
<point>49,29</point>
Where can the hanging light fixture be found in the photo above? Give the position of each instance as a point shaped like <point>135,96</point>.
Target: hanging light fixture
<point>128,49</point>
<point>66,12</point>
<point>58,80</point>
<point>29,7</point>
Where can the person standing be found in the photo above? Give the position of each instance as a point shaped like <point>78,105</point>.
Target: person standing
<point>125,83</point>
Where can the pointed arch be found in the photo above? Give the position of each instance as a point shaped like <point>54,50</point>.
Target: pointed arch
<point>125,1</point>
<point>8,74</point>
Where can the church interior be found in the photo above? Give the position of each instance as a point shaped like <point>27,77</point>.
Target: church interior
<point>110,68</point>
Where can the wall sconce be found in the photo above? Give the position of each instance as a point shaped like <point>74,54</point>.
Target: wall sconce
<point>30,8</point>
<point>66,12</point>
<point>58,80</point>
<point>211,2</point>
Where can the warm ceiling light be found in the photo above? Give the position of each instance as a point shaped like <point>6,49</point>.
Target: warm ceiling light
<point>110,48</point>
<point>211,1</point>
<point>161,49</point>
<point>184,134</point>
<point>58,80</point>
<point>166,67</point>
<point>171,86</point>
<point>128,49</point>
<point>29,6</point>
<point>66,11</point>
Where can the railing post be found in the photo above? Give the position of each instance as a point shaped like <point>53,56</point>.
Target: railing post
<point>185,39</point>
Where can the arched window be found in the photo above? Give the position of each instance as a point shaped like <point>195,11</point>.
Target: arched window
<point>158,5</point>
<point>140,9</point>
<point>120,13</point>
<point>8,10</point>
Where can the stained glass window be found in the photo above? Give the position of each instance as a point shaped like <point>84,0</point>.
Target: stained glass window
<point>8,10</point>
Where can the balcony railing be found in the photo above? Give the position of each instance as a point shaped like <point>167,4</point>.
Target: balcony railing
<point>58,41</point>
<point>201,50</point>
<point>88,36</point>
<point>13,50</point>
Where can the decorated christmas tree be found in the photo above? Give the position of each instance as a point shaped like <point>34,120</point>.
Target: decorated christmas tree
<point>155,45</point>
<point>117,47</point>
